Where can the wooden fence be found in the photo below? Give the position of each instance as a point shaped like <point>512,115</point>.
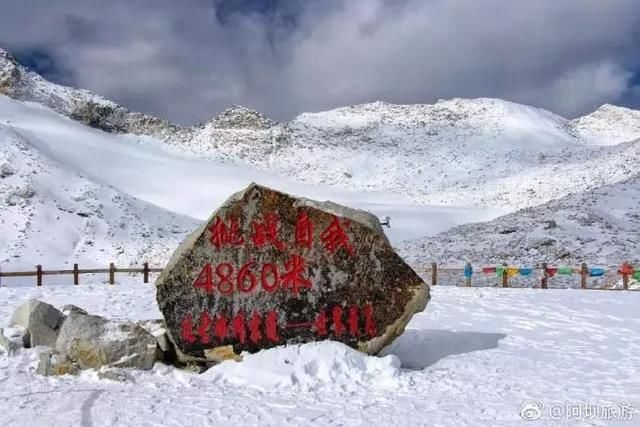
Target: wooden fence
<point>504,279</point>
<point>76,272</point>
<point>435,272</point>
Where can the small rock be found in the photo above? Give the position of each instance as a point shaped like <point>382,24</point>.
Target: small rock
<point>53,364</point>
<point>222,353</point>
<point>7,345</point>
<point>113,374</point>
<point>70,308</point>
<point>41,322</point>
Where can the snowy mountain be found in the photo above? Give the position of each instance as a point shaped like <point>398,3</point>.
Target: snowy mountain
<point>599,226</point>
<point>120,188</point>
<point>478,152</point>
<point>609,124</point>
<point>19,82</point>
<point>430,167</point>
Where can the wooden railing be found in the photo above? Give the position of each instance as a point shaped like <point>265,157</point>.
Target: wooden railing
<point>434,273</point>
<point>505,281</point>
<point>76,272</point>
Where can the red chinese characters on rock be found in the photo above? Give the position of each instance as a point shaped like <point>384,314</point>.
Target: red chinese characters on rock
<point>265,233</point>
<point>335,237</point>
<point>220,329</point>
<point>354,319</point>
<point>304,230</point>
<point>215,330</point>
<point>293,279</point>
<point>222,278</point>
<point>223,234</point>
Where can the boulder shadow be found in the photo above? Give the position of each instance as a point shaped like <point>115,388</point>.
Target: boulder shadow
<point>419,349</point>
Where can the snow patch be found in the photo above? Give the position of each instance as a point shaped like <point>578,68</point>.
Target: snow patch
<point>309,366</point>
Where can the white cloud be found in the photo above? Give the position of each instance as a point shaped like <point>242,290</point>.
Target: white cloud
<point>175,59</point>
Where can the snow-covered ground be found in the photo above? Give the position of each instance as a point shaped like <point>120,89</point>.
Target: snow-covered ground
<point>474,357</point>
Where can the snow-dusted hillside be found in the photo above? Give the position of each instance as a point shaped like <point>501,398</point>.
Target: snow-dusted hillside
<point>52,216</point>
<point>429,167</point>
<point>479,152</point>
<point>23,84</point>
<point>609,124</point>
<point>102,197</point>
<point>601,226</point>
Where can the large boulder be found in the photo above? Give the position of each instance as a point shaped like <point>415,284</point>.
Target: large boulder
<point>41,322</point>
<point>269,268</point>
<point>93,342</point>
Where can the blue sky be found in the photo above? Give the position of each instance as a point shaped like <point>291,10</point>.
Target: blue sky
<point>188,60</point>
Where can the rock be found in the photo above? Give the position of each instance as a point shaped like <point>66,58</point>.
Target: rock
<point>157,328</point>
<point>41,322</point>
<point>222,353</point>
<point>269,269</point>
<point>70,308</point>
<point>93,342</point>
<point>52,364</point>
<point>7,345</point>
<point>550,224</point>
<point>112,374</point>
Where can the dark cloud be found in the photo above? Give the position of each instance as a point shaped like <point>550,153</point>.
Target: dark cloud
<point>187,60</point>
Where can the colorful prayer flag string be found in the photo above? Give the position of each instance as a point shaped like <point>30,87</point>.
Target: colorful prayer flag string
<point>526,271</point>
<point>596,272</point>
<point>565,270</point>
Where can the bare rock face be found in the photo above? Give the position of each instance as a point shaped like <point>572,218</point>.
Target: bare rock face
<point>269,269</point>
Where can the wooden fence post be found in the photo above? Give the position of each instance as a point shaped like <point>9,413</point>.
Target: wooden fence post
<point>38,275</point>
<point>112,273</point>
<point>625,282</point>
<point>505,278</point>
<point>545,276</point>
<point>434,274</point>
<point>145,272</point>
<point>76,275</point>
<point>583,276</point>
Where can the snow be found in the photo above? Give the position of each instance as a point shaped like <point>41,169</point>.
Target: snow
<point>100,197</point>
<point>474,357</point>
<point>609,125</point>
<point>459,152</point>
<point>308,366</point>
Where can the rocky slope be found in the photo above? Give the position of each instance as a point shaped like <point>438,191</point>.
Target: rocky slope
<point>22,84</point>
<point>609,124</point>
<point>598,226</point>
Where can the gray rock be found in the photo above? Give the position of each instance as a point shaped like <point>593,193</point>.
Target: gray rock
<point>113,374</point>
<point>51,363</point>
<point>41,322</point>
<point>93,342</point>
<point>7,345</point>
<point>269,269</point>
<point>70,308</point>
